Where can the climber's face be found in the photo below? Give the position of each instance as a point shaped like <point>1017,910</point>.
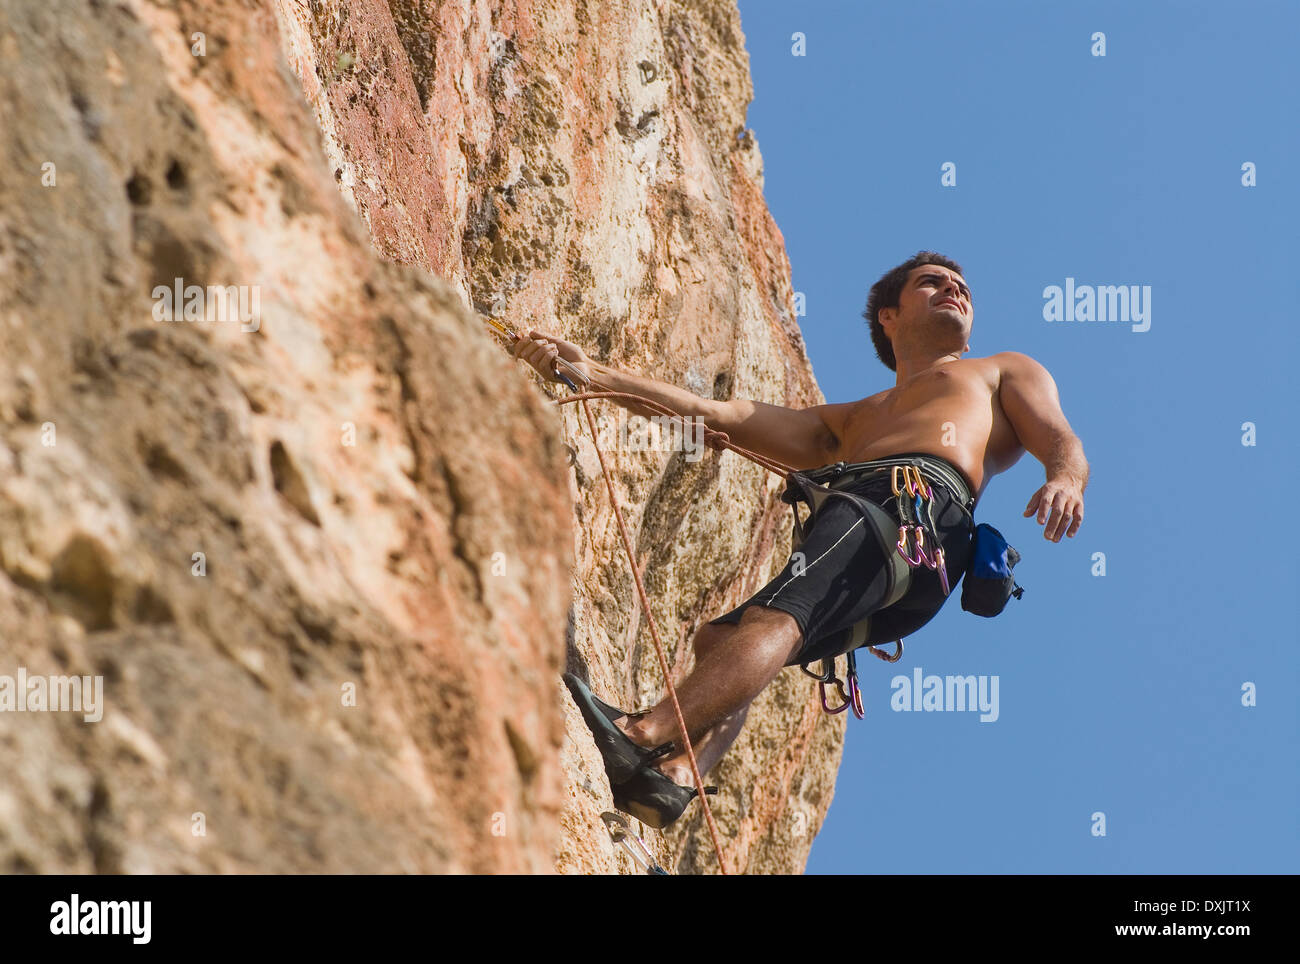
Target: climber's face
<point>933,299</point>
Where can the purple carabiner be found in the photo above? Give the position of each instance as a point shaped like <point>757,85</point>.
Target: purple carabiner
<point>916,557</point>
<point>902,541</point>
<point>844,696</point>
<point>855,696</point>
<point>926,557</point>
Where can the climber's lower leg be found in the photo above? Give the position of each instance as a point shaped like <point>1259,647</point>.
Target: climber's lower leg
<point>710,747</point>
<point>712,743</point>
<point>734,663</point>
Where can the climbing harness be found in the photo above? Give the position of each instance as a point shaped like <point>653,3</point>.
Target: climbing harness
<point>917,545</point>
<point>620,832</point>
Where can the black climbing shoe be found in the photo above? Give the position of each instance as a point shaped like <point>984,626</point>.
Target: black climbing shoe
<point>654,799</point>
<point>622,757</point>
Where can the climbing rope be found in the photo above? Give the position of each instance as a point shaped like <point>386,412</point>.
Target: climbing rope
<point>654,633</point>
<point>715,439</point>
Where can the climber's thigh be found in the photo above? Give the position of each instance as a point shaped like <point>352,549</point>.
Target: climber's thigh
<point>839,576</point>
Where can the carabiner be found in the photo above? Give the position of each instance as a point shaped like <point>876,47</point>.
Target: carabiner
<point>620,833</point>
<point>915,482</point>
<point>902,540</point>
<point>855,694</point>
<point>898,653</point>
<point>843,695</point>
<point>855,691</point>
<point>828,670</point>
<point>913,559</point>
<point>923,556</point>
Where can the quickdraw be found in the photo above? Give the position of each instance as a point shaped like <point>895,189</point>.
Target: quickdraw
<point>850,692</point>
<point>620,833</point>
<point>563,370</point>
<point>853,696</point>
<point>916,513</point>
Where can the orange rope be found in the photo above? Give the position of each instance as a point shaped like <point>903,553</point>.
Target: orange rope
<point>715,440</point>
<point>654,633</point>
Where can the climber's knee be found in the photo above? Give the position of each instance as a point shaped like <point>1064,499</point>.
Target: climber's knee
<point>761,628</point>
<point>709,636</point>
<point>775,631</point>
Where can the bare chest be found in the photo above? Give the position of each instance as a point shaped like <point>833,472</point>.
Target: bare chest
<point>963,394</point>
<point>952,411</point>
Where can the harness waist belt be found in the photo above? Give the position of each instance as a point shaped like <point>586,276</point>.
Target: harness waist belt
<point>842,472</point>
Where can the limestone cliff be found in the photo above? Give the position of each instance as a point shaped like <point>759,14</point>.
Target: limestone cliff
<point>331,556</point>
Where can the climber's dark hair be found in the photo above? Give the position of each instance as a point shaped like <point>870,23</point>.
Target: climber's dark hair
<point>885,292</point>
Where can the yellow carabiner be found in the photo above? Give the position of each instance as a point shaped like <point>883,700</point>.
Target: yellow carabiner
<point>917,487</point>
<point>893,479</point>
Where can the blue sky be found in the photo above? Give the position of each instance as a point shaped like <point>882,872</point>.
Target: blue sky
<point>1119,693</point>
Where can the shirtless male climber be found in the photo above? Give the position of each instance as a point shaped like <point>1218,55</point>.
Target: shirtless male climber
<point>960,421</point>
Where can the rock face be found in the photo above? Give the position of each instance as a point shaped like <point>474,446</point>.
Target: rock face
<point>331,554</point>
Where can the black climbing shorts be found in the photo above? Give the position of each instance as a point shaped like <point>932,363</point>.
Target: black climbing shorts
<point>835,583</point>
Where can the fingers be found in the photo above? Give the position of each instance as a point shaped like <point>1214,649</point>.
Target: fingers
<point>1076,511</point>
<point>1060,509</point>
<point>1051,531</point>
<point>1074,526</point>
<point>538,352</point>
<point>544,361</point>
<point>1066,517</point>
<point>527,347</point>
<point>1033,503</point>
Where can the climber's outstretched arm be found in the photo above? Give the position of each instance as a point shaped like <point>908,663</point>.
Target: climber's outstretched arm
<point>799,437</point>
<point>803,438</point>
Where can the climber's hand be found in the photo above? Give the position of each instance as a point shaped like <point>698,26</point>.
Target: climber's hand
<point>541,351</point>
